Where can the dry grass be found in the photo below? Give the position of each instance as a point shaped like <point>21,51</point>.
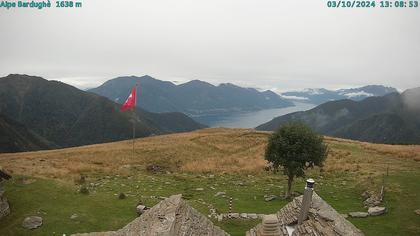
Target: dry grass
<point>207,150</point>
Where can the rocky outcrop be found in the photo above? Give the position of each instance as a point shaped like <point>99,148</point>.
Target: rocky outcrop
<point>4,205</point>
<point>172,216</point>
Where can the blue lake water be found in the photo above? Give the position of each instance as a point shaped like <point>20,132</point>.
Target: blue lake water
<point>250,119</point>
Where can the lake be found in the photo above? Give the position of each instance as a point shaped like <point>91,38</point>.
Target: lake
<point>250,119</point>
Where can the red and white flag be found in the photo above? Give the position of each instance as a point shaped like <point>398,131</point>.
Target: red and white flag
<point>131,100</point>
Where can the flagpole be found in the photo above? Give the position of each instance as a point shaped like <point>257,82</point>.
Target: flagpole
<point>134,119</point>
<point>134,128</point>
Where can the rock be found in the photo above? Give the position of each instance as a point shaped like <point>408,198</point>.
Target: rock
<point>327,214</point>
<point>345,216</point>
<point>358,214</point>
<point>219,217</point>
<point>211,176</point>
<point>372,199</point>
<point>376,211</point>
<point>268,198</point>
<point>74,216</point>
<point>4,205</point>
<point>253,216</point>
<point>365,195</point>
<point>234,215</point>
<point>219,194</point>
<point>417,212</point>
<point>244,215</point>
<point>199,189</point>
<point>140,209</point>
<point>32,222</point>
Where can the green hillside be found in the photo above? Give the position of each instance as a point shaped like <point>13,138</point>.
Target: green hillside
<point>46,183</point>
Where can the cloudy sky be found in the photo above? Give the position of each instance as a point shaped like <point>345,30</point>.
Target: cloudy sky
<point>270,44</point>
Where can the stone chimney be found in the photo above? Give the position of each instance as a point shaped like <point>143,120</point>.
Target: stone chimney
<point>270,226</point>
<point>306,201</point>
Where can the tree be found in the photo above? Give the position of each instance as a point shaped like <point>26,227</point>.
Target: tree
<point>295,147</point>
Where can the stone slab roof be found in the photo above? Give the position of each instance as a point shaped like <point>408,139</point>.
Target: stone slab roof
<point>322,220</point>
<point>172,216</point>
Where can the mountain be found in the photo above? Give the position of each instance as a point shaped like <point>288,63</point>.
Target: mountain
<point>393,118</point>
<point>193,98</point>
<point>67,116</point>
<point>319,96</point>
<point>15,137</point>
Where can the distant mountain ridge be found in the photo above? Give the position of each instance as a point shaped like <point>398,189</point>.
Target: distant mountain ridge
<point>67,116</point>
<point>321,95</point>
<point>392,119</point>
<point>193,98</point>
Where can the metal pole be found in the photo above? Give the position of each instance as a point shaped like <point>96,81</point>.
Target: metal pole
<point>134,130</point>
<point>134,118</point>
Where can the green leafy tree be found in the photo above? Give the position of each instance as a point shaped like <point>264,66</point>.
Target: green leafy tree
<point>295,147</point>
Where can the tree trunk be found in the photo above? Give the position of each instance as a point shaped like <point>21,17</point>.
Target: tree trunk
<point>289,187</point>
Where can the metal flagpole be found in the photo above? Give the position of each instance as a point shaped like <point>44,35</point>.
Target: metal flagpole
<point>134,118</point>
<point>134,128</point>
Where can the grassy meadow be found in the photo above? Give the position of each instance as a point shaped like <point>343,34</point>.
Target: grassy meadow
<point>46,183</point>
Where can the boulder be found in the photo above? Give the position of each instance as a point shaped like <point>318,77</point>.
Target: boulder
<point>268,198</point>
<point>219,194</point>
<point>73,217</point>
<point>140,209</point>
<point>376,211</point>
<point>32,222</point>
<point>366,194</point>
<point>233,215</point>
<point>358,214</point>
<point>252,216</point>
<point>417,212</point>
<point>4,205</point>
<point>244,215</point>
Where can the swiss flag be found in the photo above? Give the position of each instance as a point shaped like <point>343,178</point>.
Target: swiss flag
<point>131,100</point>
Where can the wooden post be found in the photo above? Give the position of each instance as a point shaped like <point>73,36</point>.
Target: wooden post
<point>230,205</point>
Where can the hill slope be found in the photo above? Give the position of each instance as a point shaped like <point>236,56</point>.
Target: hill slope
<point>214,160</point>
<point>68,116</point>
<point>15,137</point>
<point>194,98</point>
<point>319,96</point>
<point>394,118</point>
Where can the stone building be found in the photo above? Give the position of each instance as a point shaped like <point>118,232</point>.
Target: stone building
<point>319,219</point>
<point>172,216</point>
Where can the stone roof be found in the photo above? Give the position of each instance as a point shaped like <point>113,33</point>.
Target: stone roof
<point>322,220</point>
<point>172,216</point>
